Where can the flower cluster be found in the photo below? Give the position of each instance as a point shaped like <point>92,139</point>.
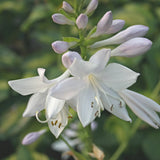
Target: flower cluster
<point>89,87</point>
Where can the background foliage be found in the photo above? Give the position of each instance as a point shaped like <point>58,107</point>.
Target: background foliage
<point>26,34</point>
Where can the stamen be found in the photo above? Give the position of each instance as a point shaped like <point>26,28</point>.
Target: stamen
<point>56,122</point>
<point>92,104</point>
<point>52,123</point>
<point>45,121</point>
<point>70,117</point>
<point>96,114</point>
<point>59,125</point>
<point>111,107</point>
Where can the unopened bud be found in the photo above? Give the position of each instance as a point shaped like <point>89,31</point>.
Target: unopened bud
<point>68,58</point>
<point>123,36</point>
<point>62,46</point>
<point>132,47</point>
<point>67,7</point>
<point>61,19</point>
<point>104,24</point>
<point>32,137</point>
<point>116,26</point>
<point>91,7</point>
<point>82,21</point>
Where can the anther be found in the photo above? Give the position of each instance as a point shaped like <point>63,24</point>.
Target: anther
<point>111,107</point>
<point>96,113</point>
<point>60,125</point>
<point>52,123</point>
<point>69,116</point>
<point>56,122</point>
<point>120,104</point>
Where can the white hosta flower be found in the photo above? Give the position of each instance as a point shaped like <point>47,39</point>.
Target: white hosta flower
<point>99,87</point>
<point>132,47</point>
<point>62,46</point>
<point>91,7</point>
<point>32,137</point>
<point>123,36</point>
<point>142,106</point>
<point>40,86</point>
<point>82,21</point>
<point>103,25</point>
<point>67,7</point>
<point>61,19</point>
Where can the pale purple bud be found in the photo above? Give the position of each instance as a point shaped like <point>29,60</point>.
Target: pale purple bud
<point>61,19</point>
<point>104,24</point>
<point>32,137</point>
<point>125,35</point>
<point>132,47</point>
<point>116,26</point>
<point>68,58</point>
<point>62,46</point>
<point>91,7</point>
<point>67,7</point>
<point>82,21</point>
<point>94,125</point>
<point>70,133</point>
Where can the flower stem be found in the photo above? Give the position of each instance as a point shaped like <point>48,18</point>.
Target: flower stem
<point>78,155</point>
<point>124,144</point>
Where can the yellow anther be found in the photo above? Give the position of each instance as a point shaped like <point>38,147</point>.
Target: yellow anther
<point>56,122</point>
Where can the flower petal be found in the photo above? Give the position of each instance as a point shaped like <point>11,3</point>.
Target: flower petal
<point>142,107</point>
<point>81,68</point>
<point>113,103</point>
<point>100,58</point>
<point>86,112</point>
<point>35,104</point>
<point>57,124</point>
<point>117,76</point>
<point>68,88</point>
<point>53,106</point>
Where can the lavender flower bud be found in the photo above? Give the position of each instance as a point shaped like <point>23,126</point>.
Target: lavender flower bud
<point>82,21</point>
<point>132,47</point>
<point>91,7</point>
<point>116,26</point>
<point>32,137</point>
<point>104,24</point>
<point>61,19</point>
<point>125,35</point>
<point>62,46</point>
<point>68,58</point>
<point>67,7</point>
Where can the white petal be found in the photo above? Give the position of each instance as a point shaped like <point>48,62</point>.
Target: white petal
<point>35,104</point>
<point>116,26</point>
<point>68,88</point>
<point>142,111</point>
<point>53,106</point>
<point>57,124</point>
<point>117,76</point>
<point>132,47</point>
<point>81,68</point>
<point>85,111</point>
<point>113,103</point>
<point>100,58</point>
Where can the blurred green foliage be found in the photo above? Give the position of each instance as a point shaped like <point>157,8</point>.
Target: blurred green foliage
<point>26,34</point>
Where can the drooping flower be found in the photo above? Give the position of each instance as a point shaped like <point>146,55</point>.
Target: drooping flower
<point>105,87</point>
<point>40,86</point>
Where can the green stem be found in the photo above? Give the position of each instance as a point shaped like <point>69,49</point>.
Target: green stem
<point>156,90</point>
<point>79,156</point>
<point>82,46</point>
<point>124,144</point>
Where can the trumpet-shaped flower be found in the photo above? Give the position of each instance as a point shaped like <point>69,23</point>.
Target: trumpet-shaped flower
<point>40,86</point>
<point>99,87</point>
<point>105,87</point>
